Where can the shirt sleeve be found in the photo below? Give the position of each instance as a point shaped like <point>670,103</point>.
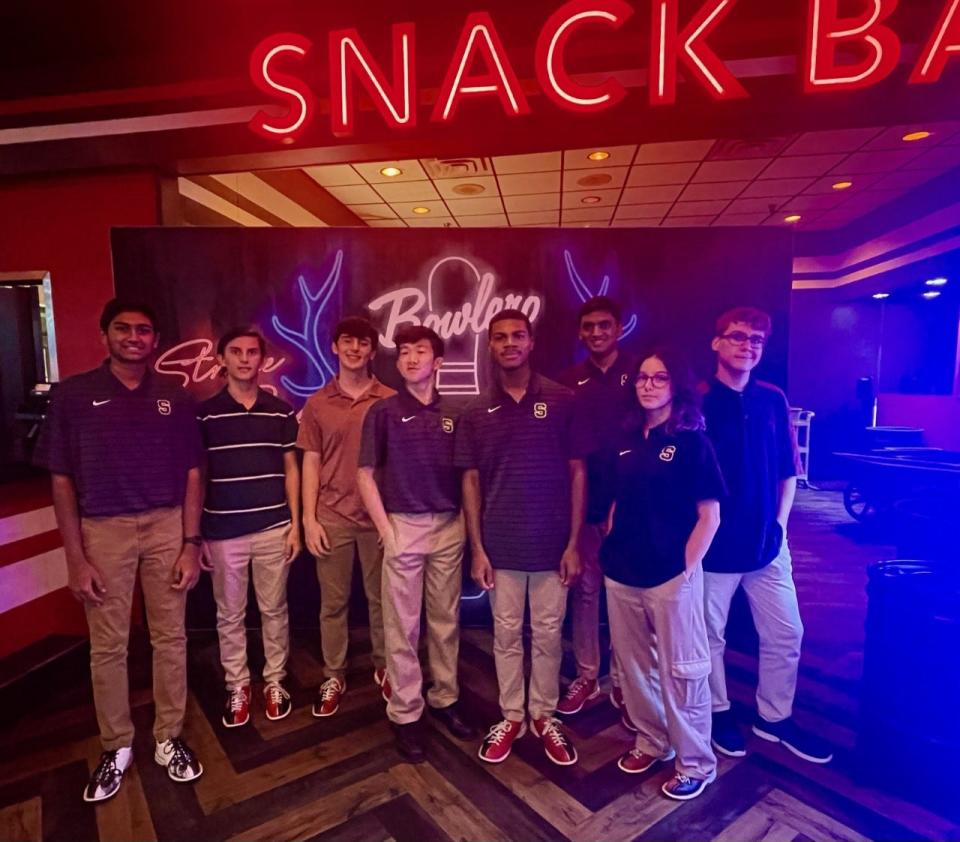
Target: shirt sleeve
<point>309,437</point>
<point>291,431</point>
<point>465,454</point>
<point>53,446</point>
<point>707,479</point>
<point>788,457</point>
<point>373,439</point>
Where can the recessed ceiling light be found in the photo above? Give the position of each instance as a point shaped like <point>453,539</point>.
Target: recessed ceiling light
<point>793,218</point>
<point>590,200</point>
<point>421,210</point>
<point>391,172</point>
<point>595,179</point>
<point>842,185</point>
<point>599,155</point>
<point>933,293</point>
<point>881,295</point>
<point>287,141</point>
<point>936,282</point>
<point>910,137</point>
<point>469,189</point>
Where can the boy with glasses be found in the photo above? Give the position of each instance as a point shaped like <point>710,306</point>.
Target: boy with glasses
<point>748,422</point>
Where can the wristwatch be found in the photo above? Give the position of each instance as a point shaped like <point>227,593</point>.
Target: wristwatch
<point>196,540</point>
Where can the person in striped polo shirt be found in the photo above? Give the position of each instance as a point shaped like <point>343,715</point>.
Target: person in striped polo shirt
<point>251,519</point>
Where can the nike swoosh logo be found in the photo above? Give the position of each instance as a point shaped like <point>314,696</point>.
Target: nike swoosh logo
<point>581,382</point>
<point>101,403</point>
<point>625,452</point>
<point>493,409</point>
<point>408,419</point>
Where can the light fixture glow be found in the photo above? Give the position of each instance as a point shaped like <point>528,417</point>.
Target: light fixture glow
<point>793,218</point>
<point>599,155</point>
<point>421,210</point>
<point>590,200</point>
<point>933,293</point>
<point>843,185</point>
<point>936,282</point>
<point>911,137</point>
<point>391,172</point>
<point>881,295</point>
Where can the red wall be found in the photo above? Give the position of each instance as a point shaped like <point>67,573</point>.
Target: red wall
<point>62,225</point>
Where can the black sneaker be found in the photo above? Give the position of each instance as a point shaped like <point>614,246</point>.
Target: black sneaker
<point>409,741</point>
<point>800,742</point>
<point>726,736</point>
<point>182,764</point>
<point>454,722</point>
<point>107,777</point>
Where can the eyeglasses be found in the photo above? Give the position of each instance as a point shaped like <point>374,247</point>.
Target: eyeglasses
<point>658,380</point>
<point>755,340</point>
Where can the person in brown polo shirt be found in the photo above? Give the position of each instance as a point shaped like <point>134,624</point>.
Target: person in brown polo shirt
<point>334,520</point>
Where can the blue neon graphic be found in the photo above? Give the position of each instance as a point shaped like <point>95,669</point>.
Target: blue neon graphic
<point>584,293</point>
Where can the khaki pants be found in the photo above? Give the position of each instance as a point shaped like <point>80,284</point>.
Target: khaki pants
<point>232,560</point>
<point>585,607</point>
<point>120,546</point>
<point>548,604</point>
<point>335,574</point>
<point>773,603</point>
<point>661,641</point>
<point>425,570</point>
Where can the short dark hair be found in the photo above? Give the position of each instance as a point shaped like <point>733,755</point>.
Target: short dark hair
<point>685,413</point>
<point>503,315</point>
<point>359,328</point>
<point>411,334</point>
<point>753,316</point>
<point>600,304</point>
<point>115,306</point>
<point>236,333</point>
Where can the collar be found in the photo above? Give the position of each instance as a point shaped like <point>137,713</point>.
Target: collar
<point>622,364</point>
<point>408,401</point>
<point>228,400</point>
<point>724,389</point>
<point>498,394</point>
<point>111,381</point>
<point>332,390</point>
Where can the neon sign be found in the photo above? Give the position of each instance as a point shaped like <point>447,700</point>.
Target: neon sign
<point>479,67</point>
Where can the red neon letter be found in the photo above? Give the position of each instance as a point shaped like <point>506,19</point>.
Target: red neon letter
<point>827,31</point>
<point>700,61</point>
<point>945,40</point>
<point>553,76</point>
<point>289,89</point>
<point>349,56</point>
<point>479,37</point>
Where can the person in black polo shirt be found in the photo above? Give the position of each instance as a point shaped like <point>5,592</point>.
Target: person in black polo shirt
<point>411,491</point>
<point>603,385</point>
<point>666,512</point>
<point>523,495</point>
<point>251,519</point>
<point>749,424</point>
<point>123,448</point>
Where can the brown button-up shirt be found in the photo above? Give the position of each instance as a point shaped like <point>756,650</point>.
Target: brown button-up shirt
<point>331,425</point>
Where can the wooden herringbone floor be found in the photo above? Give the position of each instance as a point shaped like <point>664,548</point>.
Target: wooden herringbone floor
<point>340,778</point>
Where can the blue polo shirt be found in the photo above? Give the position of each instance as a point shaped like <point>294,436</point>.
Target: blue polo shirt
<point>126,450</point>
<point>756,447</point>
<point>522,450</point>
<point>607,397</point>
<point>410,444</point>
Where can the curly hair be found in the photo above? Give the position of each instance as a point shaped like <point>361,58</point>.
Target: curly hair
<point>685,411</point>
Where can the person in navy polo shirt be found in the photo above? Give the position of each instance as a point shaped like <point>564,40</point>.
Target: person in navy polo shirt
<point>666,512</point>
<point>123,448</point>
<point>603,385</point>
<point>411,491</point>
<point>523,496</point>
<point>251,519</point>
<point>749,424</point>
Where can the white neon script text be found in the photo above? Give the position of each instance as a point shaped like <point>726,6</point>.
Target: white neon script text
<point>194,361</point>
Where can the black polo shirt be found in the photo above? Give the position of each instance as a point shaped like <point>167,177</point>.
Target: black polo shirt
<point>522,451</point>
<point>756,447</point>
<point>246,489</point>
<point>127,450</point>
<point>410,444</point>
<point>659,481</point>
<point>606,396</point>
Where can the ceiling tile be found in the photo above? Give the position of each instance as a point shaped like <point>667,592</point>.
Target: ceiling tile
<point>635,223</point>
<point>740,219</point>
<point>470,207</point>
<point>334,174</point>
<point>825,185</point>
<point>687,221</point>
<point>455,168</point>
<point>867,201</point>
<point>942,158</point>
<point>407,191</point>
<point>642,195</point>
<point>718,190</point>
<point>730,170</point>
<point>675,152</point>
<point>656,174</point>
<point>835,140</point>
<point>549,217</point>
<point>405,209</point>
<point>892,138</point>
<point>731,149</point>
<point>871,162</point>
<point>750,206</point>
<point>387,223</point>
<point>452,188</point>
<point>802,166</point>
<point>432,222</point>
<point>483,220</point>
<point>643,211</point>
<point>538,162</point>
<point>823,201</point>
<point>699,208</point>
<point>905,179</point>
<point>586,214</point>
<point>777,221</point>
<point>607,177</point>
<point>412,171</point>
<point>776,187</point>
<point>353,194</point>
<point>378,211</point>
<point>574,198</point>
<point>597,223</point>
<point>539,202</point>
<point>526,183</point>
<point>538,225</point>
<point>576,159</point>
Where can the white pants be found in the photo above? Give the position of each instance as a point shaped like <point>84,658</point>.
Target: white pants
<point>773,603</point>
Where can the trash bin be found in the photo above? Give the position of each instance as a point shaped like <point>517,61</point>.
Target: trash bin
<point>909,729</point>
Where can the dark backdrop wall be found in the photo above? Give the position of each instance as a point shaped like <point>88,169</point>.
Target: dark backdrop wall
<point>295,284</point>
